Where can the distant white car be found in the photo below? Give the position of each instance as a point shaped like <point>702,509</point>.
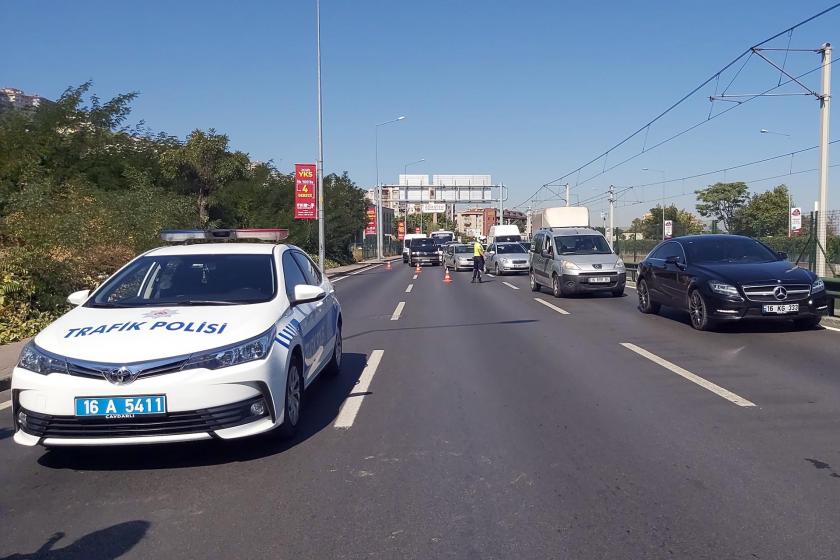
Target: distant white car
<point>186,342</point>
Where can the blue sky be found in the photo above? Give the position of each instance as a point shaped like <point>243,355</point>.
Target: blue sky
<point>524,90</point>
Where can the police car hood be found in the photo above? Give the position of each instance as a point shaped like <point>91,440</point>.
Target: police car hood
<point>116,335</point>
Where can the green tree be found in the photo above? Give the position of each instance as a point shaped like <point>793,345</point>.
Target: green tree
<point>765,213</point>
<point>723,202</point>
<point>685,223</point>
<point>203,165</point>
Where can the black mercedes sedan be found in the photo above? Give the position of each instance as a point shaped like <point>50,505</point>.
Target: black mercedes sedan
<point>720,278</point>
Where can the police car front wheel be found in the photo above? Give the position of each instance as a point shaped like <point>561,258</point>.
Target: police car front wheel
<point>292,402</point>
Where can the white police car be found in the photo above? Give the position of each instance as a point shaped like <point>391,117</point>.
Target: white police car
<point>185,342</point>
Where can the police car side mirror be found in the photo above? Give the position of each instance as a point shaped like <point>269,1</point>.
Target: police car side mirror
<point>78,298</point>
<point>304,293</point>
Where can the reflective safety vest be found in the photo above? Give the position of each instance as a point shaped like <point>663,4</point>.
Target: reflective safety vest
<point>478,250</point>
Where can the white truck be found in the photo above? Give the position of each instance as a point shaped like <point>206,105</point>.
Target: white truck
<point>503,233</point>
<point>560,216</point>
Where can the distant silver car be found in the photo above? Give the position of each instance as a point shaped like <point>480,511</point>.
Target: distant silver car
<point>458,256</point>
<point>504,258</point>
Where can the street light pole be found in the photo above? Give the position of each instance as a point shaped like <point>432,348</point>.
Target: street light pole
<point>662,172</point>
<point>378,192</point>
<point>320,165</point>
<point>822,216</point>
<point>405,174</point>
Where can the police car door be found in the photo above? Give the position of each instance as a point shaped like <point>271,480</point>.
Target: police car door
<point>324,314</point>
<point>304,315</point>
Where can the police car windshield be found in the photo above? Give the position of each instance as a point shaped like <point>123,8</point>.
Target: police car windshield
<point>582,245</point>
<point>190,280</point>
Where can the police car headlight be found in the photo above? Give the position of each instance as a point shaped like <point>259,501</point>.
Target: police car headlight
<point>34,359</point>
<point>256,348</point>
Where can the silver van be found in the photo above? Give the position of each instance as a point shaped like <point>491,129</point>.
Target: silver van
<point>573,261</point>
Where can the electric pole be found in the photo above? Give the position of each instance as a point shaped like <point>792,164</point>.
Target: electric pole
<point>822,216</point>
<point>568,195</point>
<point>611,231</point>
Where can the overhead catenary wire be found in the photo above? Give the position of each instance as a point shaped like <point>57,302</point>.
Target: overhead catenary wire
<point>715,76</point>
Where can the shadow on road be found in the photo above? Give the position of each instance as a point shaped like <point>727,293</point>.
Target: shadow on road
<point>6,433</point>
<point>104,544</point>
<point>323,399</point>
<point>748,326</point>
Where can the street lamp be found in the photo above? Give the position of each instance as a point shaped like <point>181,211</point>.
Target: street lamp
<point>663,196</point>
<point>790,201</point>
<point>378,191</point>
<point>765,131</point>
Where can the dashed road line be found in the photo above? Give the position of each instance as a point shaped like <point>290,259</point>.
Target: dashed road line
<point>415,277</point>
<point>5,405</point>
<point>409,288</point>
<point>365,269</point>
<point>398,311</point>
<point>353,402</point>
<point>509,285</point>
<point>708,385</point>
<point>551,306</point>
<point>631,285</point>
<point>490,275</point>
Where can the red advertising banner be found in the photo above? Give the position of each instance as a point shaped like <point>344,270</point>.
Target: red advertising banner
<point>370,229</point>
<point>305,205</point>
<point>400,230</point>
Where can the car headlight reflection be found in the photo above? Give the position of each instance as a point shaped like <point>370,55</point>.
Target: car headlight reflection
<point>35,359</point>
<point>256,348</point>
<point>724,289</point>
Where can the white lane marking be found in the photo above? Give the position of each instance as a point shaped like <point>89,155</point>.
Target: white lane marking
<point>398,311</point>
<point>708,385</point>
<point>509,285</point>
<point>415,277</point>
<point>631,285</point>
<point>409,288</point>
<point>490,275</point>
<point>365,269</point>
<point>5,405</point>
<point>831,328</point>
<point>353,402</point>
<point>551,306</point>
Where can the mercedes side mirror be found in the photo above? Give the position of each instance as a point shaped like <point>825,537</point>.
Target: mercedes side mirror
<point>78,298</point>
<point>304,293</point>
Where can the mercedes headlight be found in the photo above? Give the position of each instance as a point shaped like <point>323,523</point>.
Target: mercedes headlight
<point>256,348</point>
<point>34,359</point>
<point>817,286</point>
<point>724,289</point>
<point>569,265</point>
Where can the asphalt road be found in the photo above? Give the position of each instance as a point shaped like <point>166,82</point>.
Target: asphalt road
<point>495,426</point>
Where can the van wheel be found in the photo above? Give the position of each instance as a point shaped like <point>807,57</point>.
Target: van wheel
<point>646,305</point>
<point>532,281</point>
<point>556,286</point>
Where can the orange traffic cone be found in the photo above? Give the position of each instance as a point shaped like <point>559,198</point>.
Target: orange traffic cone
<point>418,268</point>
<point>446,278</point>
<point>388,265</point>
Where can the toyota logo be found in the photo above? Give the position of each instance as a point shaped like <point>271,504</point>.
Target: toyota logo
<point>780,293</point>
<point>120,376</point>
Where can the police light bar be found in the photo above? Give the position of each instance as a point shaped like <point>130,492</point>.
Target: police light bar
<point>267,234</point>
